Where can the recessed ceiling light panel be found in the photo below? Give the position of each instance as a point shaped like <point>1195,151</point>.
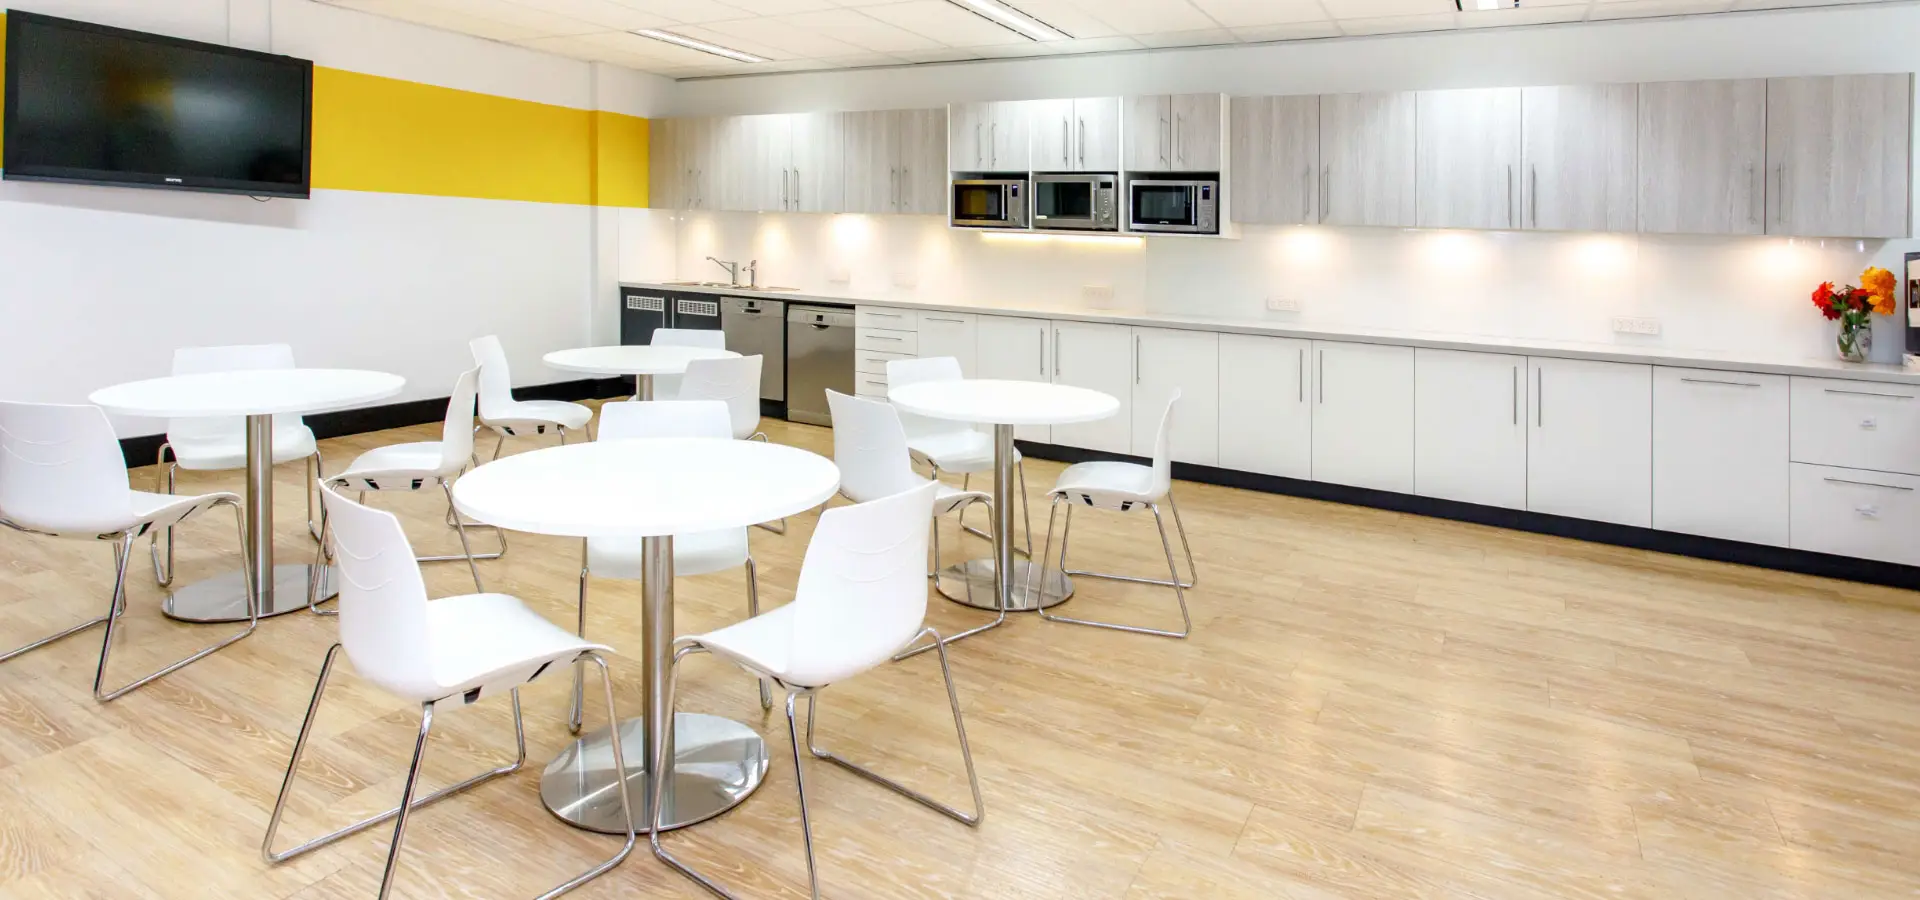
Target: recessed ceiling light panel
<point>1014,20</point>
<point>682,40</point>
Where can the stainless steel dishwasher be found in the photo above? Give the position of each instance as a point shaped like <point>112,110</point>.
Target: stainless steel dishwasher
<point>759,327</point>
<point>819,359</point>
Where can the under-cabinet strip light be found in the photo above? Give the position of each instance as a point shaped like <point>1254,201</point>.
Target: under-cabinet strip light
<point>702,46</point>
<point>1013,20</point>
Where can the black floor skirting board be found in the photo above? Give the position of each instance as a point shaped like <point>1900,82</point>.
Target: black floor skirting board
<point>145,450</point>
<point>1780,558</point>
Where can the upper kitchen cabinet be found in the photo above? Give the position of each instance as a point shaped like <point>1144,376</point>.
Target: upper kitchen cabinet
<point>682,153</point>
<point>818,182</point>
<point>1080,135</point>
<point>989,136</point>
<point>754,163</point>
<point>1468,145</point>
<point>1367,159</point>
<point>1837,155</point>
<point>1702,148</point>
<point>1276,153</point>
<point>666,178</point>
<point>1176,133</point>
<point>1577,155</point>
<point>892,162</point>
<point>923,169</point>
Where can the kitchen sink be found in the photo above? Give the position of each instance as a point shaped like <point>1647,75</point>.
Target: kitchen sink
<point>714,284</point>
<point>737,287</point>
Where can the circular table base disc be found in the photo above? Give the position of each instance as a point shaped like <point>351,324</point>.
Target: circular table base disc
<point>223,598</point>
<point>954,583</point>
<point>717,763</point>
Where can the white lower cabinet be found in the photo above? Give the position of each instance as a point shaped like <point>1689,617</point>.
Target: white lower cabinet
<point>950,334</point>
<point>1590,440</point>
<point>1266,405</point>
<point>1363,415</point>
<point>1720,454</point>
<point>1856,424</point>
<point>1851,512</point>
<point>1099,357</point>
<point>1469,441</point>
<point>1010,348</point>
<point>1167,360</point>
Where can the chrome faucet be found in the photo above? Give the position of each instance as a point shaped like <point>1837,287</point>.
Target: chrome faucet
<point>733,270</point>
<point>753,274</point>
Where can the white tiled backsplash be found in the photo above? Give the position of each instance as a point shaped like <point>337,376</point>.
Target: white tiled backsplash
<point>1732,295</point>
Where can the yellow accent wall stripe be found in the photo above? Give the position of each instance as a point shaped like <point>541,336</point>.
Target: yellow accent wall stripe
<point>372,133</point>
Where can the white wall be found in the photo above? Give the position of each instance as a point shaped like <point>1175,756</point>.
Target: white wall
<point>98,285</point>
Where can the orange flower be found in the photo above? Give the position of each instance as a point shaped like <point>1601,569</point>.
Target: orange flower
<point>1880,284</point>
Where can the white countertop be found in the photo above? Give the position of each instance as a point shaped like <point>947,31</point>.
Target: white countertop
<point>1439,340</point>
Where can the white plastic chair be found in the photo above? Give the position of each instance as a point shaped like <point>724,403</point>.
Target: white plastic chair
<point>219,444</point>
<point>946,446</point>
<point>667,387</point>
<point>861,598</point>
<point>455,650</point>
<point>62,475</point>
<point>735,381</point>
<point>410,467</point>
<point>699,553</point>
<point>1125,487</point>
<point>870,448</point>
<point>509,417</point>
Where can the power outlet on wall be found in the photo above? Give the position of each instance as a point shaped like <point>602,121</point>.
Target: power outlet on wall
<point>1099,296</point>
<point>1635,325</point>
<point>1282,304</point>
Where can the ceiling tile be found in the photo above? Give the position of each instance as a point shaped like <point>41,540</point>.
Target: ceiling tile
<point>1635,9</point>
<point>773,34</point>
<point>1526,15</point>
<point>944,22</point>
<point>1199,38</point>
<point>603,13</point>
<point>780,7</point>
<point>435,15</point>
<point>1398,24</point>
<point>712,35</point>
<point>1293,31</point>
<point>685,11</point>
<point>1374,9</point>
<point>1243,13</point>
<point>1142,17</point>
<point>938,54</point>
<point>862,31</point>
<point>1065,15</point>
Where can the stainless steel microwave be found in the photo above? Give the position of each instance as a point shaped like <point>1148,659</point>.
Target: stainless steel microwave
<point>1180,207</point>
<point>990,203</point>
<point>1076,201</point>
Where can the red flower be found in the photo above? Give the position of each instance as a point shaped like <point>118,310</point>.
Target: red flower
<point>1823,300</point>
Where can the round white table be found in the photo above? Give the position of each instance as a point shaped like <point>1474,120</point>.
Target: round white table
<point>1004,405</point>
<point>642,361</point>
<point>258,395</point>
<point>651,489</point>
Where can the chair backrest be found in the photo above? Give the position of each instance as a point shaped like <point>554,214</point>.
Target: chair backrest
<point>862,593</point>
<point>233,358</point>
<point>664,419</point>
<point>383,601</point>
<point>736,381</point>
<point>456,435</point>
<point>712,338</point>
<point>870,448</point>
<point>496,381</point>
<point>61,470</point>
<point>903,372</point>
<point>1162,451</point>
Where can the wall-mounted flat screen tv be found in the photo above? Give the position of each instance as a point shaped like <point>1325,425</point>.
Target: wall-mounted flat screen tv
<point>90,104</point>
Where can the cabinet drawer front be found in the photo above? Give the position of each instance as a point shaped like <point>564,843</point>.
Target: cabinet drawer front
<point>885,317</point>
<point>874,362</point>
<point>886,340</point>
<point>1856,424</point>
<point>874,386</point>
<point>1848,512</point>
<point>1720,454</point>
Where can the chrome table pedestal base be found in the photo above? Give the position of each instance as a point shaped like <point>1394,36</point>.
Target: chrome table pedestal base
<point>717,763</point>
<point>223,598</point>
<point>978,574</point>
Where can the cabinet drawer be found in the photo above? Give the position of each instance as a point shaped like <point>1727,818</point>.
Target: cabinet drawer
<point>1720,454</point>
<point>885,317</point>
<point>1848,512</point>
<point>1856,424</point>
<point>874,362</point>
<point>886,340</point>
<point>874,386</point>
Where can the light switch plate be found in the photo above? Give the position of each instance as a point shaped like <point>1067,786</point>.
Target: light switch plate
<point>1636,325</point>
<point>1282,304</point>
<point>839,273</point>
<point>1099,296</point>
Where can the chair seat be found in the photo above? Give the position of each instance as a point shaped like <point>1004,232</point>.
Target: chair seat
<point>529,414</point>
<point>963,452</point>
<point>145,512</point>
<point>699,553</point>
<point>211,453</point>
<point>489,642</point>
<point>395,467</point>
<point>762,645</point>
<point>948,498</point>
<point>1113,485</point>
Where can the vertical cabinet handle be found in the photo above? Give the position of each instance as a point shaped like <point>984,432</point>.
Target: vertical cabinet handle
<point>993,141</point>
<point>1306,194</point>
<point>1510,212</point>
<point>1042,347</point>
<point>786,201</point>
<point>796,188</point>
<point>1136,360</point>
<point>1179,148</point>
<point>1066,142</point>
<point>1533,194</point>
<point>1166,140</point>
<point>1539,398</point>
<point>1753,190</point>
<point>1081,140</point>
<point>1326,191</point>
<point>1056,353</point>
<point>1516,395</point>
<point>1780,193</point>
<point>979,149</point>
<point>1320,376</point>
<point>1303,374</point>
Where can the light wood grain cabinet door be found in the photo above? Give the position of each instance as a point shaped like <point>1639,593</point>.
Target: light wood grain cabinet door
<point>1702,155</point>
<point>819,168</point>
<point>1837,155</point>
<point>1276,160</point>
<point>968,150</point>
<point>1149,124</point>
<point>871,174</point>
<point>1367,159</point>
<point>1196,132</point>
<point>666,175</point>
<point>1050,123</point>
<point>919,140</point>
<point>1577,152</point>
<point>1096,129</point>
<point>1469,152</point>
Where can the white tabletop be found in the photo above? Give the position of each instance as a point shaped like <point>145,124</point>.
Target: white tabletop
<point>646,488</point>
<point>989,402</point>
<point>632,359</point>
<point>252,392</point>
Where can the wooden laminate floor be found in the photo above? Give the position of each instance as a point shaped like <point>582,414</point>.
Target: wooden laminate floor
<point>1372,705</point>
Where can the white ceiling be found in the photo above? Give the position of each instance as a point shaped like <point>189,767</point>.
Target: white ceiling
<point>798,35</point>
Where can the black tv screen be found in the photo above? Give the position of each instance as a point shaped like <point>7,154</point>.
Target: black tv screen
<point>96,105</point>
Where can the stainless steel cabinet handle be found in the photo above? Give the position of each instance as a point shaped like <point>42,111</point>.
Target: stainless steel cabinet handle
<point>1320,376</point>
<point>1136,359</point>
<point>1533,194</point>
<point>979,149</point>
<point>1166,140</point>
<point>1081,139</point>
<point>1780,193</point>
<point>1539,398</point>
<point>885,315</point>
<point>880,337</point>
<point>1179,147</point>
<point>950,321</point>
<point>796,188</point>
<point>1509,196</point>
<point>1516,395</point>
<point>1043,351</point>
<point>1869,394</point>
<point>1890,487</point>
<point>1306,194</point>
<point>1303,374</point>
<point>786,201</point>
<point>1326,190</point>
<point>1713,381</point>
<point>993,141</point>
<point>1753,190</point>
<point>1056,353</point>
<point>1066,142</point>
